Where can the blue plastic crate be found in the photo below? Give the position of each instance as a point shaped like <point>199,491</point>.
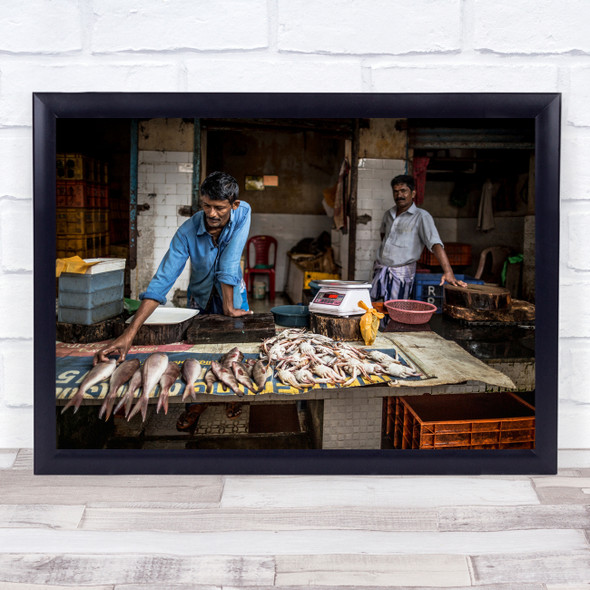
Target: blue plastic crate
<point>427,287</point>
<point>90,298</point>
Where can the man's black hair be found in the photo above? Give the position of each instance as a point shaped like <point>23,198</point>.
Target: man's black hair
<point>404,179</point>
<point>220,186</point>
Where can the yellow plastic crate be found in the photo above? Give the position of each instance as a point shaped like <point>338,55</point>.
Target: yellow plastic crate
<point>81,220</point>
<point>86,246</point>
<point>71,245</point>
<point>318,276</point>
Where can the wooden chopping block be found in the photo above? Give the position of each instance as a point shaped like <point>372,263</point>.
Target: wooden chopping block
<point>155,334</point>
<point>478,297</point>
<point>218,329</point>
<point>344,329</point>
<point>519,311</point>
<point>78,333</point>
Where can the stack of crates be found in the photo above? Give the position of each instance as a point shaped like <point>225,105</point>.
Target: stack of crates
<point>82,215</point>
<point>427,287</point>
<point>92,297</point>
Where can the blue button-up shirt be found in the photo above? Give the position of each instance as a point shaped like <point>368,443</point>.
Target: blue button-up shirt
<point>406,235</point>
<point>210,264</point>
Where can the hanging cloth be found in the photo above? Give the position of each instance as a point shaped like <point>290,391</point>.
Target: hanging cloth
<point>340,198</point>
<point>485,217</point>
<point>419,165</point>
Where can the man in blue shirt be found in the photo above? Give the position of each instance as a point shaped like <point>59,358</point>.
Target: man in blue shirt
<point>405,230</point>
<point>213,239</point>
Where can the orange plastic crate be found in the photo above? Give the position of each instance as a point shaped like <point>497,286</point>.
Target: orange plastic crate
<point>457,253</point>
<point>463,421</point>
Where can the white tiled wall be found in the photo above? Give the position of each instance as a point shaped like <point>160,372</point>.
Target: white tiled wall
<point>374,198</point>
<point>163,186</point>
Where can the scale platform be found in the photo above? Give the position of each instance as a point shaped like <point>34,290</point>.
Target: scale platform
<point>340,298</point>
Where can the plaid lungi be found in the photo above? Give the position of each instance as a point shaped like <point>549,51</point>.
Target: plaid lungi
<point>392,282</point>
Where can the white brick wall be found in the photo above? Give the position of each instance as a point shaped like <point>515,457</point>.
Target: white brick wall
<point>374,199</point>
<point>290,45</point>
<point>164,188</point>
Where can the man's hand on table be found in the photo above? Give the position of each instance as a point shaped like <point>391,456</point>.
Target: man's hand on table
<point>120,346</point>
<point>237,313</point>
<point>449,277</point>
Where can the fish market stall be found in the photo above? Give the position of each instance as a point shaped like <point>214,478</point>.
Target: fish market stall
<point>347,401</point>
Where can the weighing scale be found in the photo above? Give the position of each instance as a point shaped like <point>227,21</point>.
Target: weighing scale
<point>340,298</point>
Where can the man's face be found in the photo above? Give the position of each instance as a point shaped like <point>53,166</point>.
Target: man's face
<point>403,196</point>
<point>217,213</point>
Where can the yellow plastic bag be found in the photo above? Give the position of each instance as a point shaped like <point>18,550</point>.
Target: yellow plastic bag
<point>74,264</point>
<point>370,323</point>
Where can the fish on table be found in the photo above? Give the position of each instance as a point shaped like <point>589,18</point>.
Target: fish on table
<point>260,373</point>
<point>129,394</point>
<point>170,375</point>
<point>98,373</point>
<point>120,376</point>
<point>241,374</point>
<point>191,372</point>
<point>152,369</point>
<point>226,377</point>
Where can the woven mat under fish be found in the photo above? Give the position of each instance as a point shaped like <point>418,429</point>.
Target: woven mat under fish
<point>71,370</point>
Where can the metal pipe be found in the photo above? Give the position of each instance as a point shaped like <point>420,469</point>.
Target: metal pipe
<point>133,165</point>
<point>196,165</point>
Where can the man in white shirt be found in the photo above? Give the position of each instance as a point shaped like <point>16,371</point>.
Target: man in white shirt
<point>405,230</point>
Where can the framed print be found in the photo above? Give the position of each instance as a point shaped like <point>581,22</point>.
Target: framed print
<point>224,269</point>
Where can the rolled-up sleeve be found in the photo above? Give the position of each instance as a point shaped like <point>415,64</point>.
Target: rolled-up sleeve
<point>229,272</point>
<point>169,270</point>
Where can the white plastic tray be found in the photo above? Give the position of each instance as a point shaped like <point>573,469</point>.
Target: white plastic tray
<point>105,265</point>
<point>169,315</point>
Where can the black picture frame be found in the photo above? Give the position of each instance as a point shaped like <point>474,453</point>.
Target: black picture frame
<point>543,108</point>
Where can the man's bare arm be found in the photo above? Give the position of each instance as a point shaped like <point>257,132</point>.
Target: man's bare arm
<point>122,343</point>
<point>448,274</point>
<point>227,294</point>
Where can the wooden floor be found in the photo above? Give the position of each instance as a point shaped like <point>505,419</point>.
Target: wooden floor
<point>214,532</point>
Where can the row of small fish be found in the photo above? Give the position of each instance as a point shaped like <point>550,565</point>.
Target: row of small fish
<point>303,359</point>
<point>232,369</point>
<point>157,369</point>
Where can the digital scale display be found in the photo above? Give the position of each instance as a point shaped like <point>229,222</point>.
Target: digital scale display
<point>329,298</point>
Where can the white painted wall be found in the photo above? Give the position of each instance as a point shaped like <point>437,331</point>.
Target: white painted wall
<point>291,45</point>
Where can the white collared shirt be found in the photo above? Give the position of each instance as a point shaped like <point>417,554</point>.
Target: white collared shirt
<point>406,235</point>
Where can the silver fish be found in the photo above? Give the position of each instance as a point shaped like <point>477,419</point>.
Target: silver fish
<point>151,371</point>
<point>226,377</point>
<point>168,378</point>
<point>127,397</point>
<point>120,376</point>
<point>210,378</point>
<point>98,373</point>
<point>191,372</point>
